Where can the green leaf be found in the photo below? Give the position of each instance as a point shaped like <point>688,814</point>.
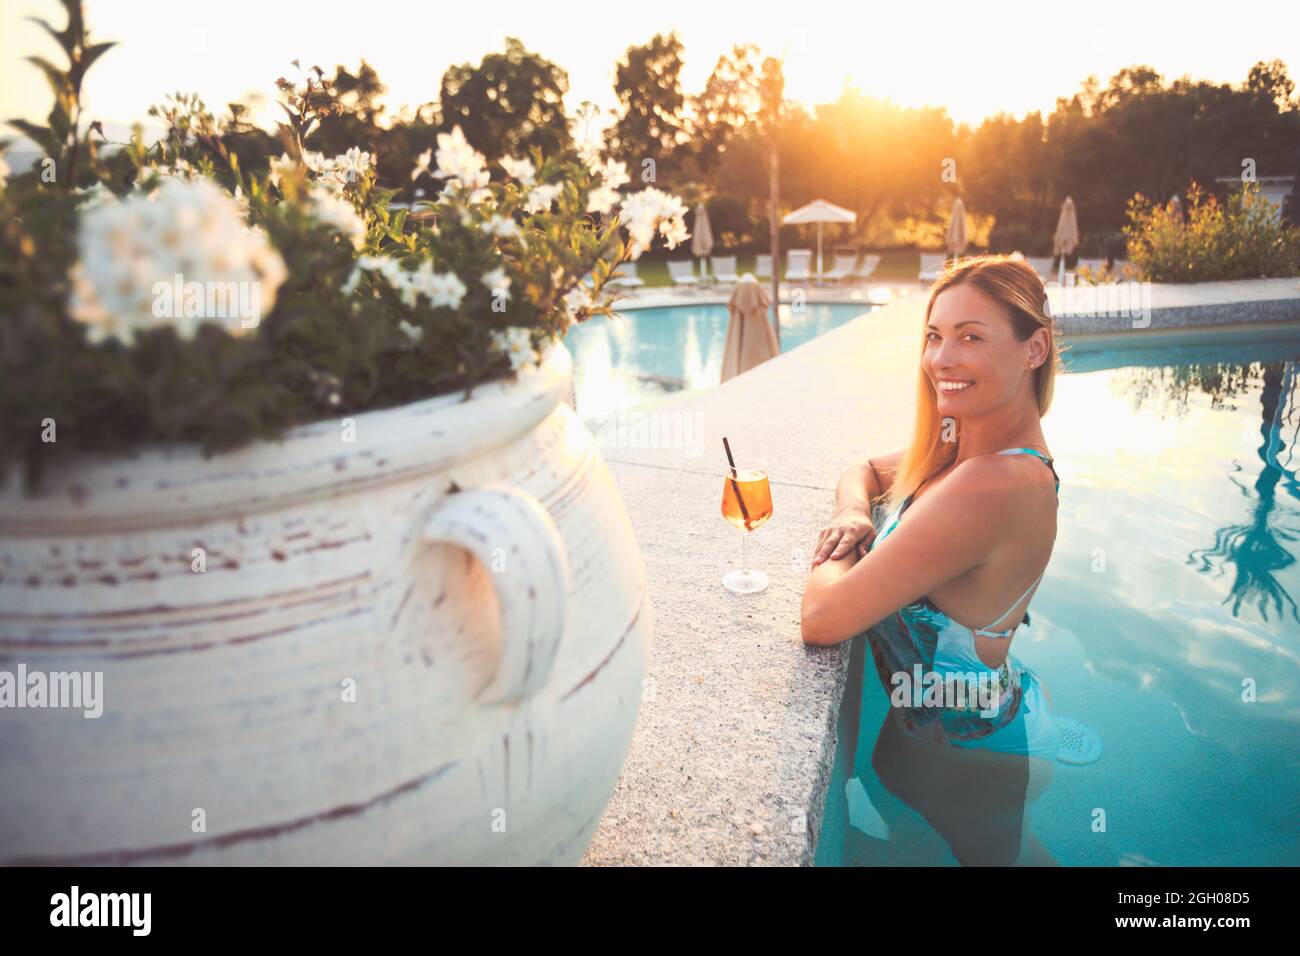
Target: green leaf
<point>57,79</point>
<point>62,37</point>
<point>40,135</point>
<point>90,55</point>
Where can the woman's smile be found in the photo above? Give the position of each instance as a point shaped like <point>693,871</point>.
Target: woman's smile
<point>950,386</point>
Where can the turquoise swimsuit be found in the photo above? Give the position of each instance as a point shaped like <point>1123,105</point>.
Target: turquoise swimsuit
<point>921,634</point>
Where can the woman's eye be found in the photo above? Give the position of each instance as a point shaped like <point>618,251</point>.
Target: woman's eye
<point>972,335</point>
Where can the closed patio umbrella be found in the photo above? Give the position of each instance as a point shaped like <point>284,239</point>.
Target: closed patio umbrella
<point>956,239</point>
<point>701,236</point>
<point>1066,238</point>
<point>819,211</point>
<point>750,339</point>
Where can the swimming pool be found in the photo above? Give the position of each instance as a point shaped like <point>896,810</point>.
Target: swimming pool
<point>649,352</point>
<point>1167,621</point>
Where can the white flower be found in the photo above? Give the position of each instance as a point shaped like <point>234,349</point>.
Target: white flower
<point>457,159</point>
<point>503,226</point>
<point>335,174</point>
<point>649,209</point>
<point>177,256</point>
<point>354,163</point>
<point>412,332</point>
<point>540,199</point>
<point>519,169</point>
<point>339,214</point>
<point>615,174</point>
<point>94,195</point>
<point>4,171</point>
<point>517,343</point>
<point>589,153</point>
<point>440,288</point>
<point>577,299</point>
<point>498,282</point>
<point>407,284</point>
<point>422,164</point>
<point>602,199</point>
<point>674,231</point>
<point>316,162</point>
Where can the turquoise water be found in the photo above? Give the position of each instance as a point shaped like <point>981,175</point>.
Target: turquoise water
<point>1167,621</point>
<point>644,353</point>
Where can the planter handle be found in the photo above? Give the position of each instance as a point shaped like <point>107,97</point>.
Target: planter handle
<point>500,524</point>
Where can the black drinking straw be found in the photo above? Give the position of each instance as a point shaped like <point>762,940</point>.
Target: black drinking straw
<point>734,486</point>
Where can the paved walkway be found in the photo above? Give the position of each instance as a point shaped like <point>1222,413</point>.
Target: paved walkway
<point>736,739</point>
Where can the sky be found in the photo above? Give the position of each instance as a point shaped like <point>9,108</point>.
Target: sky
<point>974,59</point>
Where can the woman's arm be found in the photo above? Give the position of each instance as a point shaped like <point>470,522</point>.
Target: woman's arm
<point>864,483</point>
<point>859,488</point>
<point>947,532</point>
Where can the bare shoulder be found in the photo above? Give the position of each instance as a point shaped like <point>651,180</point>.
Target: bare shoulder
<point>1004,485</point>
<point>1018,490</point>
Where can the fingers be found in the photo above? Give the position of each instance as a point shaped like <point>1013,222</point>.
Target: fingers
<point>830,539</point>
<point>842,547</point>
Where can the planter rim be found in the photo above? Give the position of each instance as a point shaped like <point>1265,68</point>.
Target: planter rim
<point>175,484</point>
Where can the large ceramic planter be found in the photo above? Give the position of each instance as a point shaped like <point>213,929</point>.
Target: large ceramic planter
<point>424,645</point>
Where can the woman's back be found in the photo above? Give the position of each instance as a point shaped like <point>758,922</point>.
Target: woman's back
<point>923,635</point>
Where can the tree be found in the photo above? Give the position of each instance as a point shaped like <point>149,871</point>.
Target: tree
<point>1271,80</point>
<point>771,90</point>
<point>730,100</point>
<point>648,86</point>
<point>509,103</point>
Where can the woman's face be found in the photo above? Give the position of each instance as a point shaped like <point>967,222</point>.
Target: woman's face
<point>973,359</point>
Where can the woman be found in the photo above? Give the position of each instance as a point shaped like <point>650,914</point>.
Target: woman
<point>943,591</point>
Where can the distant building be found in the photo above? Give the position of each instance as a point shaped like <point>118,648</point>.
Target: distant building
<point>1279,190</point>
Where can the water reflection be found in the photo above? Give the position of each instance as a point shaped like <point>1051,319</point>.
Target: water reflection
<point>1254,550</point>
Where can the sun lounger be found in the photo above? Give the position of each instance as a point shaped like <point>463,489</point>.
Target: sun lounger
<point>724,268</point>
<point>797,263</point>
<point>682,272</point>
<point>931,266</point>
<point>626,277</point>
<point>763,267</point>
<point>843,268</point>
<point>869,264</point>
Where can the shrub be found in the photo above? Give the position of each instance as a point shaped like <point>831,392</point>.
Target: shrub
<point>354,305</point>
<point>1241,238</point>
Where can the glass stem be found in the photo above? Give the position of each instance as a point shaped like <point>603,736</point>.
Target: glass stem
<point>744,550</point>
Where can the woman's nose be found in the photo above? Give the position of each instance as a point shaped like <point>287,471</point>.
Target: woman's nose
<point>939,358</point>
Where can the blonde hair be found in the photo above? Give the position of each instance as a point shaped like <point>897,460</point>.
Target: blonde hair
<point>1014,285</point>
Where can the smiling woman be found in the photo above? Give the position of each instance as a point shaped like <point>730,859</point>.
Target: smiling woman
<point>973,549</point>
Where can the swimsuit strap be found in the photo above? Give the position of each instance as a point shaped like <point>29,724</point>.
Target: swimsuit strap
<point>1037,454</point>
<point>991,633</point>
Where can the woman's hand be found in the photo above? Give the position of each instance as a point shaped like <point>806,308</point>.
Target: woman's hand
<point>850,529</point>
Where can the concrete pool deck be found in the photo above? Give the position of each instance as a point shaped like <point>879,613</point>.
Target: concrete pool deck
<point>736,734</point>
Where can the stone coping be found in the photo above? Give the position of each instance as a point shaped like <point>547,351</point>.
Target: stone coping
<point>736,734</point>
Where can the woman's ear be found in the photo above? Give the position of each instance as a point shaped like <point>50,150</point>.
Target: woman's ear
<point>1038,349</point>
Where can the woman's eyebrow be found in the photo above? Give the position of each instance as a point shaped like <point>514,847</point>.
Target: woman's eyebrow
<point>930,325</point>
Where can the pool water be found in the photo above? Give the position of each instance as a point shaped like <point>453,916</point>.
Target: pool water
<point>1167,621</point>
<point>644,353</point>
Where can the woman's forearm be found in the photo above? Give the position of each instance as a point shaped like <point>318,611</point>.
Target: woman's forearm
<point>857,488</point>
